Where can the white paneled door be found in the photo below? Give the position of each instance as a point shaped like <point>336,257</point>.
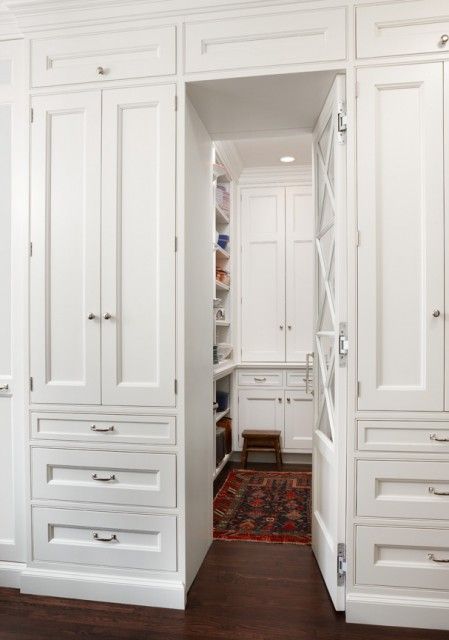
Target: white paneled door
<point>263,279</point>
<point>138,246</point>
<point>330,379</point>
<point>401,252</point>
<point>65,263</point>
<point>261,409</point>
<point>299,272</point>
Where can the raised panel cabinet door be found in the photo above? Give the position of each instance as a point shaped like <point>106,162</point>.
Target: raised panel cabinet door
<point>401,224</point>
<point>299,272</point>
<point>261,409</point>
<point>65,262</point>
<point>263,274</point>
<point>298,421</point>
<point>138,246</point>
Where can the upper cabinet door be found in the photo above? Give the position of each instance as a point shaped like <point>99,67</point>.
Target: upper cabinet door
<point>138,250</point>
<point>65,231</point>
<point>401,252</point>
<point>263,275</point>
<point>299,272</point>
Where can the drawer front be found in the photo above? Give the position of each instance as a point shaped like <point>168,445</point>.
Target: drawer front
<point>103,56</point>
<point>247,378</point>
<point>385,435</point>
<point>401,28</point>
<point>260,40</point>
<point>142,430</point>
<point>402,557</point>
<point>296,378</point>
<point>144,479</point>
<point>400,489</point>
<point>130,541</point>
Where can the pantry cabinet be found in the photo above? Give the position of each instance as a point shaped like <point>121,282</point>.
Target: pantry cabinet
<point>276,273</point>
<point>103,219</point>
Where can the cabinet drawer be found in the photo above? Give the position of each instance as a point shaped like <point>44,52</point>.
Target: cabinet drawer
<point>385,435</point>
<point>261,378</point>
<point>402,557</point>
<point>401,28</point>
<point>296,378</point>
<point>127,54</point>
<point>128,541</point>
<point>401,489</point>
<point>142,430</point>
<point>260,40</point>
<point>144,479</point>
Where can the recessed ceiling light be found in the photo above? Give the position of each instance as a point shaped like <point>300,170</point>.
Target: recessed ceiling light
<point>287,159</point>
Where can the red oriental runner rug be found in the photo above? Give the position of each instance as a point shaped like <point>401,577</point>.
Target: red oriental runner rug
<point>264,506</point>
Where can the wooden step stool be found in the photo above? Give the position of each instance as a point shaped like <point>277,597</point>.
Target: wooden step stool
<point>254,440</point>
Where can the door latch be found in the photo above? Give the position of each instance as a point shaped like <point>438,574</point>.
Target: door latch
<point>341,563</point>
<point>343,344</point>
<point>342,123</point>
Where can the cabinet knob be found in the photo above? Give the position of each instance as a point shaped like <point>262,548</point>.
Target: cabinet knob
<point>100,71</point>
<point>281,326</point>
<point>436,313</point>
<point>279,399</point>
<point>91,316</point>
<point>289,400</point>
<point>107,316</point>
<point>289,327</point>
<point>444,40</point>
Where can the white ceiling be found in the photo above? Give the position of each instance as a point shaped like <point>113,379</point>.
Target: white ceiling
<point>266,152</point>
<point>261,106</point>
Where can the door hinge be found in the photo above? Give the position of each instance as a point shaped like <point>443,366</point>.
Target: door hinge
<point>31,249</point>
<point>357,239</point>
<point>358,389</point>
<point>343,344</point>
<point>31,115</point>
<point>176,386</point>
<point>31,384</point>
<point>357,89</point>
<point>342,122</point>
<point>341,563</point>
<point>176,244</point>
<point>176,103</point>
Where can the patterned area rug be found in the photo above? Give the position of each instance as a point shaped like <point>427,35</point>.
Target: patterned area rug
<point>264,506</point>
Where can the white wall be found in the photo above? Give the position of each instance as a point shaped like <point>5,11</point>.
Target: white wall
<point>198,341</point>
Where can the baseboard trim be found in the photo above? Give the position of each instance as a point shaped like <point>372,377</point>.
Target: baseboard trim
<point>104,588</point>
<point>11,574</point>
<point>418,613</point>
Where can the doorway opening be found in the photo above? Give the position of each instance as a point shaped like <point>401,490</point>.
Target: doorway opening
<point>265,227</point>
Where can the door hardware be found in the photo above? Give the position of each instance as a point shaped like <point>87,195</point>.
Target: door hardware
<point>4,387</point>
<point>107,316</point>
<point>341,563</point>
<point>100,71</point>
<point>433,436</point>
<point>103,479</point>
<point>438,493</point>
<point>436,313</point>
<point>432,557</point>
<point>444,40</point>
<point>112,538</point>
<point>343,344</point>
<point>91,316</point>
<point>93,427</point>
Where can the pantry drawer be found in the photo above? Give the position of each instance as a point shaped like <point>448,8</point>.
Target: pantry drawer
<point>296,378</point>
<point>401,489</point>
<point>247,378</point>
<point>261,40</point>
<point>386,435</point>
<point>103,56</point>
<point>402,557</point>
<point>138,430</point>
<point>129,541</point>
<point>144,479</point>
<point>401,28</point>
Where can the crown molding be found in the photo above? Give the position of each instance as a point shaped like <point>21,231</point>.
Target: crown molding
<point>257,176</point>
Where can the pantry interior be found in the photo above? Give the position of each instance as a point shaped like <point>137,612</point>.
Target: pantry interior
<point>257,297</point>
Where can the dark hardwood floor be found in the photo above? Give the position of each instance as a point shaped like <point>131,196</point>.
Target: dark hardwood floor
<point>244,591</point>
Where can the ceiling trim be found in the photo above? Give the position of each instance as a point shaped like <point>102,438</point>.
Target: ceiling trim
<point>298,174</point>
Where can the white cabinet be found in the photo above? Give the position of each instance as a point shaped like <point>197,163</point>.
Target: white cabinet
<point>276,273</point>
<point>138,247</point>
<point>263,275</point>
<point>298,421</point>
<point>65,231</point>
<point>130,134</point>
<point>261,409</point>
<point>401,252</point>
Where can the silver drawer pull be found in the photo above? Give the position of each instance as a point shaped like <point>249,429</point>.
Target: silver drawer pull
<point>259,379</point>
<point>438,493</point>
<point>442,560</point>
<point>433,436</point>
<point>444,40</point>
<point>93,427</point>
<point>103,479</point>
<point>4,387</point>
<point>112,537</point>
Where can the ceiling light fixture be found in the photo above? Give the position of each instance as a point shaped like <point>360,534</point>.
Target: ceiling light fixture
<point>287,159</point>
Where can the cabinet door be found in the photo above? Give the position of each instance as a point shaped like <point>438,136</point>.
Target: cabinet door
<point>299,272</point>
<point>138,246</point>
<point>65,231</point>
<point>261,409</point>
<point>298,421</point>
<point>263,275</point>
<point>401,252</point>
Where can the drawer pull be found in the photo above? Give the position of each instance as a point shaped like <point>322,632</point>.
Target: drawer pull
<point>103,479</point>
<point>444,40</point>
<point>257,379</point>
<point>112,537</point>
<point>442,560</point>
<point>433,436</point>
<point>4,387</point>
<point>93,427</point>
<point>100,71</point>
<point>438,493</point>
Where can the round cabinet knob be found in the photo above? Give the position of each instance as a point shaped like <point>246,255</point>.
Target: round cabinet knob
<point>91,316</point>
<point>290,327</point>
<point>436,313</point>
<point>281,327</point>
<point>444,40</point>
<point>107,316</point>
<point>100,71</point>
